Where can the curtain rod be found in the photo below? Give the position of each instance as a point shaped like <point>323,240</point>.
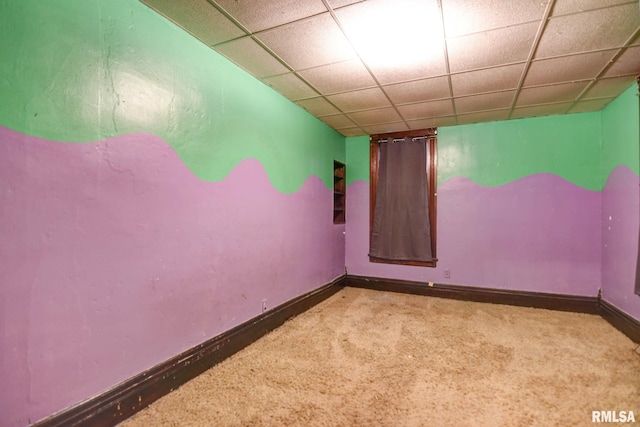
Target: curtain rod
<point>417,138</point>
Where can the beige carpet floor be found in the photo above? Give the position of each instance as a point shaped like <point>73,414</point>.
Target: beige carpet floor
<point>369,358</point>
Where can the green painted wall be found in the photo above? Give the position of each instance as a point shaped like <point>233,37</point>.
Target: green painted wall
<point>621,134</point>
<point>497,153</point>
<point>78,71</point>
<point>357,159</point>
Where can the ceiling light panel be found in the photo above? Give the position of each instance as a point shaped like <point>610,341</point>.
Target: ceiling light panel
<point>466,17</point>
<point>568,68</point>
<point>488,80</point>
<point>339,77</point>
<point>360,100</point>
<point>249,55</point>
<point>394,33</point>
<point>309,43</point>
<point>419,90</point>
<point>589,31</point>
<point>263,14</point>
<point>199,18</point>
<point>290,86</point>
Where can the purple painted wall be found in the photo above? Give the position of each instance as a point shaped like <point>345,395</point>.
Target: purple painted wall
<point>112,250</point>
<point>621,201</point>
<point>539,233</point>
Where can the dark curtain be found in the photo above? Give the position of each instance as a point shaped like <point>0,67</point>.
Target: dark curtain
<point>401,216</point>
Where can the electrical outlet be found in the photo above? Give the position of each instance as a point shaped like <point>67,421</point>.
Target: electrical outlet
<point>447,274</point>
<point>264,305</point>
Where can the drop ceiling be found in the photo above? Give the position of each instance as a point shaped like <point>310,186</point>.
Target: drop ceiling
<point>448,62</point>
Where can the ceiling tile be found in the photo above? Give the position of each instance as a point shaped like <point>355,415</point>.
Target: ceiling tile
<point>318,106</point>
<point>419,90</point>
<point>351,131</point>
<point>485,116</point>
<point>490,48</point>
<point>249,55</point>
<point>627,63</point>
<point>564,7</point>
<point>339,77</point>
<point>290,86</point>
<point>360,100</point>
<point>385,128</point>
<point>551,93</point>
<point>259,15</point>
<point>420,69</point>
<point>489,80</point>
<point>425,110</point>
<point>588,31</point>
<point>568,68</point>
<point>431,123</point>
<point>488,101</point>
<point>335,4</point>
<point>540,110</point>
<point>380,115</point>
<point>589,105</point>
<point>199,18</point>
<point>309,43</point>
<point>612,87</point>
<point>337,121</point>
<point>466,17</point>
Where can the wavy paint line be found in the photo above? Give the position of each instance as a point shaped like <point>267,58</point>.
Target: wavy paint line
<point>95,70</point>
<point>133,142</point>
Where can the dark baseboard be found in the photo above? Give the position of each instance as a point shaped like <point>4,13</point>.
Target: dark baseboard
<point>571,303</point>
<point>620,320</point>
<point>133,395</point>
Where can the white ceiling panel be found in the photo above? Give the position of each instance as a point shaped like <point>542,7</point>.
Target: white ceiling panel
<point>199,18</point>
<point>588,31</point>
<point>360,100</point>
<point>565,7</point>
<point>379,115</point>
<point>491,48</point>
<point>290,86</point>
<point>487,101</point>
<point>540,110</point>
<point>337,121</point>
<point>603,87</point>
<point>249,55</point>
<point>590,105</point>
<point>626,64</point>
<point>309,43</point>
<point>550,94</point>
<point>568,68</point>
<point>384,63</point>
<point>425,110</point>
<point>318,106</point>
<point>466,17</point>
<point>339,77</point>
<point>483,116</point>
<point>488,80</point>
<point>419,90</point>
<point>259,15</point>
